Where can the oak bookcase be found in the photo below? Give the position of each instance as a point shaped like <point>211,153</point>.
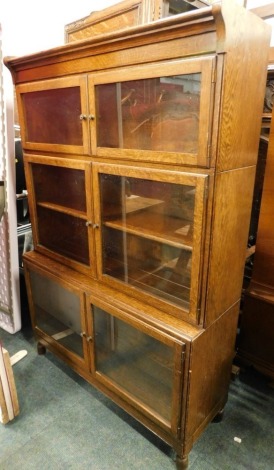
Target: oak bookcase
<point>140,151</point>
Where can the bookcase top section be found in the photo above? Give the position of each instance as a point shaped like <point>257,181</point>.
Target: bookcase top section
<point>212,29</point>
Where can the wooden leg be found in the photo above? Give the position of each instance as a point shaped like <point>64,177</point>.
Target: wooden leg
<point>181,463</point>
<point>41,350</point>
<point>219,416</point>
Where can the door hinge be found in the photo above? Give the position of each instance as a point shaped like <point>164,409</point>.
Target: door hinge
<point>206,192</point>
<point>209,151</point>
<point>214,72</point>
<point>214,76</point>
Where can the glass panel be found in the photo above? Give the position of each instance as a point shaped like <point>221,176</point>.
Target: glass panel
<point>151,114</point>
<point>63,234</point>
<point>136,362</point>
<point>25,242</point>
<point>57,312</point>
<point>57,185</point>
<point>147,235</point>
<point>53,116</point>
<point>176,7</point>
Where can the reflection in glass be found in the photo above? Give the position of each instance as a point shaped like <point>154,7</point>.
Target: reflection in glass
<point>136,362</point>
<point>147,235</point>
<point>58,185</point>
<point>52,116</point>
<point>57,312</point>
<point>150,114</point>
<point>25,242</point>
<point>61,210</point>
<point>63,234</point>
<point>175,7</point>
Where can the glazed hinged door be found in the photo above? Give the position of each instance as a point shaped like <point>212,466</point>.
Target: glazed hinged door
<point>54,115</point>
<point>160,112</point>
<point>58,312</point>
<point>60,199</point>
<point>149,236</point>
<point>140,365</point>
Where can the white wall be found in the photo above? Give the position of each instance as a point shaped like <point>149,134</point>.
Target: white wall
<point>30,26</point>
<point>257,3</point>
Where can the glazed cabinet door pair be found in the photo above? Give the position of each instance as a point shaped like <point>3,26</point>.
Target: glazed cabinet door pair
<point>136,229</point>
<point>140,365</point>
<point>154,112</point>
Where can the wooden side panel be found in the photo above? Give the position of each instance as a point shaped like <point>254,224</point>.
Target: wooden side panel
<point>243,88</point>
<point>210,370</point>
<point>231,217</point>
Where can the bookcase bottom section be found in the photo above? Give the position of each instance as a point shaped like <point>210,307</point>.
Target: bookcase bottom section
<point>171,376</point>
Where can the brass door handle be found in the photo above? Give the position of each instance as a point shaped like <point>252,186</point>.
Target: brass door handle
<point>84,117</point>
<point>89,223</point>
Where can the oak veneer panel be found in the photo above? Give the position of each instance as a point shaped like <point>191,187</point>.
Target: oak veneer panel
<point>240,119</point>
<point>210,369</point>
<point>231,217</point>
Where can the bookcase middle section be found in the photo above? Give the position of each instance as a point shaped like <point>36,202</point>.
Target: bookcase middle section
<point>133,228</point>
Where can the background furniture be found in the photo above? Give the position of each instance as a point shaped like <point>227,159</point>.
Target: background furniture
<point>10,317</point>
<point>126,14</point>
<point>257,320</point>
<point>9,406</point>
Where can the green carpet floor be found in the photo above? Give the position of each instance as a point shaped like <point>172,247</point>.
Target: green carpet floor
<point>64,423</point>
